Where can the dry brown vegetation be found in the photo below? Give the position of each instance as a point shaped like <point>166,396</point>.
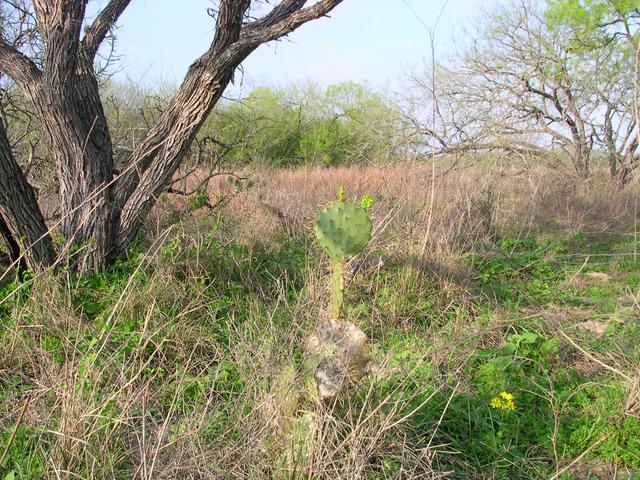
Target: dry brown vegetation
<point>450,205</point>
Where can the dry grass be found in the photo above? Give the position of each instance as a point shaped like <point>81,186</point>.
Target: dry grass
<point>445,207</point>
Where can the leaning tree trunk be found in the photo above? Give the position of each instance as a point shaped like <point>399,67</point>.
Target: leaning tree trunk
<point>25,225</point>
<point>169,141</point>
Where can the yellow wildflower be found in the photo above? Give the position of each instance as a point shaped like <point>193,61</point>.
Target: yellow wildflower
<point>503,401</point>
<point>507,396</point>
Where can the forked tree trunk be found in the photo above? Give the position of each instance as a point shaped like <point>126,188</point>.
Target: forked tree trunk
<point>101,214</point>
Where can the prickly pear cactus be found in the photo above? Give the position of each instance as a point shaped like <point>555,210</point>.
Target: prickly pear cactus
<point>343,229</point>
<point>337,349</point>
<point>336,354</point>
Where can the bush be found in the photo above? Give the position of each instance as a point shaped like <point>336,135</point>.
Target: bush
<point>344,123</point>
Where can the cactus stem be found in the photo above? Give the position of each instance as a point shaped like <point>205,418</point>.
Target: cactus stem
<point>337,288</point>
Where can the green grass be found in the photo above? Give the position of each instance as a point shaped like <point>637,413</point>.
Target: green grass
<point>179,352</point>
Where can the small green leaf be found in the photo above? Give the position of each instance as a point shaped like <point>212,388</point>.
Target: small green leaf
<point>529,338</point>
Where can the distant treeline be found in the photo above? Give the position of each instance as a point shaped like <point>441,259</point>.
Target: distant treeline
<point>553,80</point>
<point>292,126</point>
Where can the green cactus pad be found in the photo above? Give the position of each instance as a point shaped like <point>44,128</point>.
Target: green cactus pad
<point>343,229</point>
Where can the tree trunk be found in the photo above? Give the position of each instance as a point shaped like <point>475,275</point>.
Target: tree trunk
<point>628,161</point>
<point>613,166</point>
<point>78,135</point>
<point>170,142</point>
<point>581,159</point>
<point>625,175</point>
<point>19,208</point>
<point>626,166</point>
<point>14,247</point>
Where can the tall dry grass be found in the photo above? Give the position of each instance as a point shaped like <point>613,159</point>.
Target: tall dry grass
<point>447,206</point>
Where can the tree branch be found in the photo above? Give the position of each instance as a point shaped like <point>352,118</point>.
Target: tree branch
<point>279,25</point>
<point>20,68</point>
<point>103,23</point>
<point>277,14</point>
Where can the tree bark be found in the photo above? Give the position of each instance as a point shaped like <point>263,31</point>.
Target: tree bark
<point>13,245</point>
<point>78,135</point>
<point>581,159</point>
<point>67,100</point>
<point>24,222</point>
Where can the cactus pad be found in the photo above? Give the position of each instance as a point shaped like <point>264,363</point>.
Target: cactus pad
<point>343,229</point>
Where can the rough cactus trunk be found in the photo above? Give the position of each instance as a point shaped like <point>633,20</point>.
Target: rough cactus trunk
<point>337,288</point>
<point>337,349</point>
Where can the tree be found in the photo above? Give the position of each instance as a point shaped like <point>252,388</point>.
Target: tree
<point>593,23</point>
<point>613,26</point>
<point>103,208</point>
<point>19,212</point>
<point>525,84</point>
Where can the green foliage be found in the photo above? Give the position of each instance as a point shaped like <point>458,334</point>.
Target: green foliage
<point>366,202</point>
<point>199,199</point>
<point>521,272</point>
<point>305,124</point>
<point>206,325</point>
<point>594,23</point>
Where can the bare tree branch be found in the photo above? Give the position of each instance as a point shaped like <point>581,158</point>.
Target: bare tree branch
<point>103,23</point>
<point>18,66</point>
<point>280,25</point>
<point>277,14</point>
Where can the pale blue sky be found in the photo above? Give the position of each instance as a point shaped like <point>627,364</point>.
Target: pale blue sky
<point>373,41</point>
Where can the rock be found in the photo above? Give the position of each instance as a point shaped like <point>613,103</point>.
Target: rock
<point>597,327</point>
<point>331,377</point>
<point>598,277</point>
